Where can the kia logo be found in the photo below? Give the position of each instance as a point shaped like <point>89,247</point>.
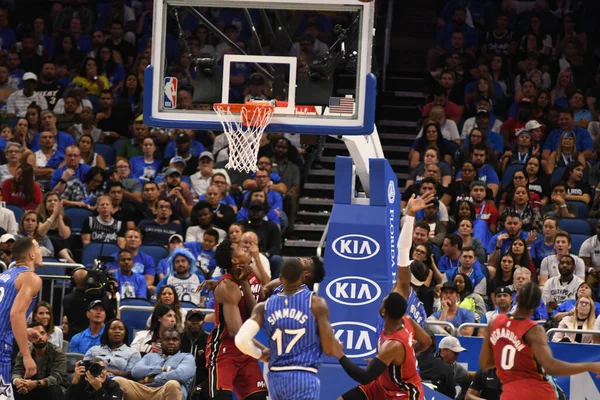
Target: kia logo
<point>355,247</point>
<point>358,338</point>
<point>353,290</point>
<point>391,192</point>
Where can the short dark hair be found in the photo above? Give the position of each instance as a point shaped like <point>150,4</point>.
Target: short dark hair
<point>559,184</point>
<point>455,240</point>
<point>440,91</point>
<point>22,247</point>
<point>150,183</point>
<point>423,225</point>
<point>480,146</point>
<point>171,330</point>
<point>566,110</point>
<point>121,252</point>
<point>395,306</point>
<point>202,205</point>
<point>35,323</point>
<point>468,248</point>
<point>223,255</point>
<point>292,269</point>
<point>165,199</point>
<point>212,232</point>
<point>104,337</point>
<point>429,180</point>
<point>319,269</point>
<point>111,185</point>
<point>530,296</point>
<point>558,234</point>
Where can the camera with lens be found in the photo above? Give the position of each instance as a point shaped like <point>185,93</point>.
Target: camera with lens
<point>93,368</point>
<point>99,277</point>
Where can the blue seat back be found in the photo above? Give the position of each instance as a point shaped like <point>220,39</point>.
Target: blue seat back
<point>575,226</point>
<point>78,217</point>
<point>188,305</point>
<point>18,211</point>
<point>93,250</point>
<point>576,242</point>
<point>557,175</point>
<point>135,318</point>
<point>118,144</point>
<point>156,252</point>
<point>135,302</point>
<point>583,210</point>
<point>107,152</point>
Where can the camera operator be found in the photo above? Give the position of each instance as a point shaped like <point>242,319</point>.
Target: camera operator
<point>90,382</point>
<point>76,303</point>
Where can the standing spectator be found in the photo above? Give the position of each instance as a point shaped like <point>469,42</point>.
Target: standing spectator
<point>17,103</point>
<point>131,284</point>
<point>193,341</point>
<point>113,349</point>
<point>72,173</point>
<point>62,139</point>
<point>157,231</point>
<point>51,378</point>
<point>70,116</point>
<point>165,375</point>
<point>22,190</point>
<point>551,265</point>
<point>184,277</point>
<point>83,341</point>
<point>562,287</point>
<point>103,228</point>
<point>269,236</point>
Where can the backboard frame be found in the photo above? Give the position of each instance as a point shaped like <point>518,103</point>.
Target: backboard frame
<point>361,123</point>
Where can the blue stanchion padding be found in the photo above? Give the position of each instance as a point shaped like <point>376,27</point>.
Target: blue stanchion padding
<point>360,256</point>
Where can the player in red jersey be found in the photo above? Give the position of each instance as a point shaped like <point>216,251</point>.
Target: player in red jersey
<point>228,368</point>
<point>393,372</point>
<point>518,348</point>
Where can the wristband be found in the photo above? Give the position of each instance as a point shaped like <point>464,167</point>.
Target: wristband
<point>62,181</point>
<point>498,247</point>
<point>563,206</point>
<point>50,219</point>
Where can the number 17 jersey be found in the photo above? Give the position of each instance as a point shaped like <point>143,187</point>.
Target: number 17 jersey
<point>292,330</point>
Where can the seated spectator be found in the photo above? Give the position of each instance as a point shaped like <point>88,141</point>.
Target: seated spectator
<point>467,298</point>
<point>431,216</point>
<point>537,181</point>
<point>448,128</point>
<point>71,173</point>
<point>42,313</point>
<point>541,249</point>
<point>503,275</point>
<point>86,193</point>
<point>143,264</point>
<point>576,189</point>
<point>62,139</point>
<point>566,122</point>
<point>29,227</point>
<point>83,341</point>
<point>89,387</point>
<point>201,180</point>
<point>566,307</point>
<point>485,172</point>
<point>444,40</point>
<point>528,93</point>
<point>70,116</point>
<point>519,180</point>
<point>431,157</point>
<point>465,232</point>
<point>90,80</point>
<point>484,210</point>
<point>50,380</point>
<point>204,251</point>
<point>428,184</point>
<point>166,374</point>
<point>478,137</point>
<point>485,385</point>
<point>432,137</point>
<point>451,248</point>
<point>551,265</point>
<point>501,242</point>
<point>6,88</point>
<point>184,276</point>
<point>179,194</point>
<point>13,155</point>
<point>435,371</point>
<point>203,216</point>
<point>145,168</point>
<point>168,295</point>
<point>235,232</point>
<point>562,287</point>
<point>47,158</point>
<point>440,98</point>
<point>148,341</point>
<point>521,255</point>
<point>157,231</point>
<point>516,124</point>
<point>276,183</point>
<point>449,350</point>
<point>590,252</point>
<point>175,147</point>
<point>259,262</point>
<point>55,225</point>
<point>131,284</point>
<point>103,228</point>
<point>558,206</point>
<point>18,102</point>
<point>494,124</point>
<point>258,195</point>
<point>88,152</point>
<point>121,211</point>
<point>114,120</point>
<point>183,146</point>
<point>132,93</point>
<point>223,215</point>
<point>421,238</point>
<point>269,236</point>
<point>86,126</point>
<point>220,178</point>
<point>483,122</point>
<point>451,312</point>
<point>461,190</point>
<point>131,148</point>
<point>21,133</point>
<point>502,299</point>
<point>521,152</point>
<point>193,341</point>
<point>132,189</point>
<point>583,317</point>
<point>521,204</point>
<point>472,269</point>
<point>22,190</point>
<point>113,349</point>
<point>582,116</point>
<point>521,277</point>
<point>565,153</point>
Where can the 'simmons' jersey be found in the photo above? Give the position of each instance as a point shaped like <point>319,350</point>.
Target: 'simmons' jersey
<point>512,355</point>
<point>292,330</point>
<point>8,293</point>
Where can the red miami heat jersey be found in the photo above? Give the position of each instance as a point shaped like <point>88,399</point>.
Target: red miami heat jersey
<point>402,378</point>
<point>512,355</point>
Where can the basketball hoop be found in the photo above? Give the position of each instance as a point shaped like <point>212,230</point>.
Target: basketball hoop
<point>244,132</point>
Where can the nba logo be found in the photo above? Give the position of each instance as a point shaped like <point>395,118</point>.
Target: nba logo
<point>170,94</point>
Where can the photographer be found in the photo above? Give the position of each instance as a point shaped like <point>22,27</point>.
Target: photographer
<point>90,382</point>
<point>76,303</point>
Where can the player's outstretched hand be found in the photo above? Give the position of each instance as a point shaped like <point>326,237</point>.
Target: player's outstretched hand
<point>416,204</point>
<point>338,350</point>
<point>266,355</point>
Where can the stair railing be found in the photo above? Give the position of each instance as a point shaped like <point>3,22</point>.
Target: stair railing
<point>320,249</point>
<point>388,39</point>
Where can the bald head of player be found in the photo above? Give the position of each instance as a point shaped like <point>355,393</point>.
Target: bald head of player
<point>292,274</point>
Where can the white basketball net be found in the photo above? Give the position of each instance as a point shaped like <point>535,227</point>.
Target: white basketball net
<point>244,133</point>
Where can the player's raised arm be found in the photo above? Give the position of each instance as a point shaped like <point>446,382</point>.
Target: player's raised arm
<point>28,285</point>
<point>245,335</point>
<point>329,343</point>
<point>402,286</point>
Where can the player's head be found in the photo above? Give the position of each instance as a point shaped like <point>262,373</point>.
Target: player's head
<point>292,273</point>
<point>314,271</point>
<point>27,251</point>
<point>529,296</point>
<point>394,306</point>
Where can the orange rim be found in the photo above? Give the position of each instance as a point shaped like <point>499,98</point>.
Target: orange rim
<point>248,118</point>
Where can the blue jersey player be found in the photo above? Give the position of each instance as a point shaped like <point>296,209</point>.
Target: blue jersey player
<point>19,287</point>
<point>297,323</point>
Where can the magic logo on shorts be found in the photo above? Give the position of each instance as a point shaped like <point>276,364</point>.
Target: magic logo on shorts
<point>170,93</point>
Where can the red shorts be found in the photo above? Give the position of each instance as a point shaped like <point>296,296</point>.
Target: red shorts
<point>528,389</point>
<point>239,374</point>
<point>376,391</point>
